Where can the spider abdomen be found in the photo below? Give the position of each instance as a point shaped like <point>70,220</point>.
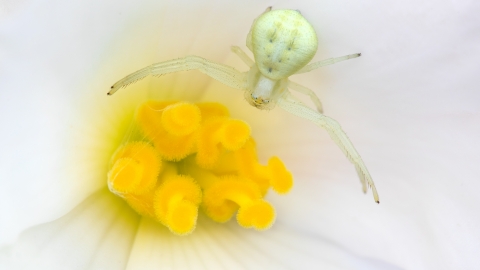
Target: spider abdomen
<point>283,41</point>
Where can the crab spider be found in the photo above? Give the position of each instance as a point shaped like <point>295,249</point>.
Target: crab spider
<point>283,42</point>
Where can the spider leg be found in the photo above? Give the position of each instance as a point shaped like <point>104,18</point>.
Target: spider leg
<point>296,107</point>
<point>304,90</point>
<point>222,73</point>
<point>240,53</point>
<point>327,62</point>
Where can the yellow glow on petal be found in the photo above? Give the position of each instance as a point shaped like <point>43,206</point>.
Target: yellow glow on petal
<point>187,156</point>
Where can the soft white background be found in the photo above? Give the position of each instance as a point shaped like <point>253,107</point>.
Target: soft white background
<point>410,104</point>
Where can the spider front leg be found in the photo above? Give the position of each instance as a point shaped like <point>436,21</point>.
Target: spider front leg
<point>327,62</point>
<point>296,107</point>
<point>304,90</point>
<point>240,53</point>
<point>222,73</point>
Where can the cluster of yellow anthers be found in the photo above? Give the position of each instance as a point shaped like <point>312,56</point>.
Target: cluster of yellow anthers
<point>194,155</point>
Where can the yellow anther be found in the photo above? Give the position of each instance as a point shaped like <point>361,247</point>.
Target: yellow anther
<point>149,117</point>
<point>248,166</point>
<point>258,214</point>
<point>176,203</point>
<point>230,193</point>
<point>174,148</point>
<point>170,146</point>
<point>135,168</point>
<point>273,175</point>
<point>208,149</point>
<point>182,217</point>
<point>217,132</point>
<point>181,119</point>
<point>234,134</point>
<point>125,175</point>
<point>281,179</point>
<point>218,209</point>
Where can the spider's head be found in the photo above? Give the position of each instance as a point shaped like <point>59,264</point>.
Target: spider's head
<point>259,102</point>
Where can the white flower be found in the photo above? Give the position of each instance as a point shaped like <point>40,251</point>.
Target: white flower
<point>410,104</point>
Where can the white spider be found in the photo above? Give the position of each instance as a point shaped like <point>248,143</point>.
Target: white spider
<point>282,42</point>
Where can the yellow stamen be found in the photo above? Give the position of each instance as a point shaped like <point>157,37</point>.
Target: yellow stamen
<point>231,134</point>
<point>135,168</point>
<point>217,208</point>
<point>192,155</point>
<point>176,203</point>
<point>253,211</point>
<point>273,175</point>
<point>149,117</point>
<point>181,119</point>
<point>208,149</point>
<point>125,175</point>
<point>171,146</point>
<point>258,214</point>
<point>281,179</point>
<point>234,134</point>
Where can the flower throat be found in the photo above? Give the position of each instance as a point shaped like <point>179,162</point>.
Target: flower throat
<point>180,157</point>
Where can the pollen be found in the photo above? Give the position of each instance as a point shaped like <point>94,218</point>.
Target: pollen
<point>181,119</point>
<point>176,203</point>
<point>182,159</point>
<point>218,134</point>
<point>231,193</point>
<point>136,166</point>
<point>274,174</point>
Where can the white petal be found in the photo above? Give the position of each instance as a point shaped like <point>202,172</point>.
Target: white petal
<point>228,246</point>
<point>97,234</point>
<point>412,113</point>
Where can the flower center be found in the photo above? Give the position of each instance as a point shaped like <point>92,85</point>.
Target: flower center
<point>180,157</point>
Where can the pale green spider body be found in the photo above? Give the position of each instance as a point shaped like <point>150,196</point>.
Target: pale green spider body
<point>283,42</point>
